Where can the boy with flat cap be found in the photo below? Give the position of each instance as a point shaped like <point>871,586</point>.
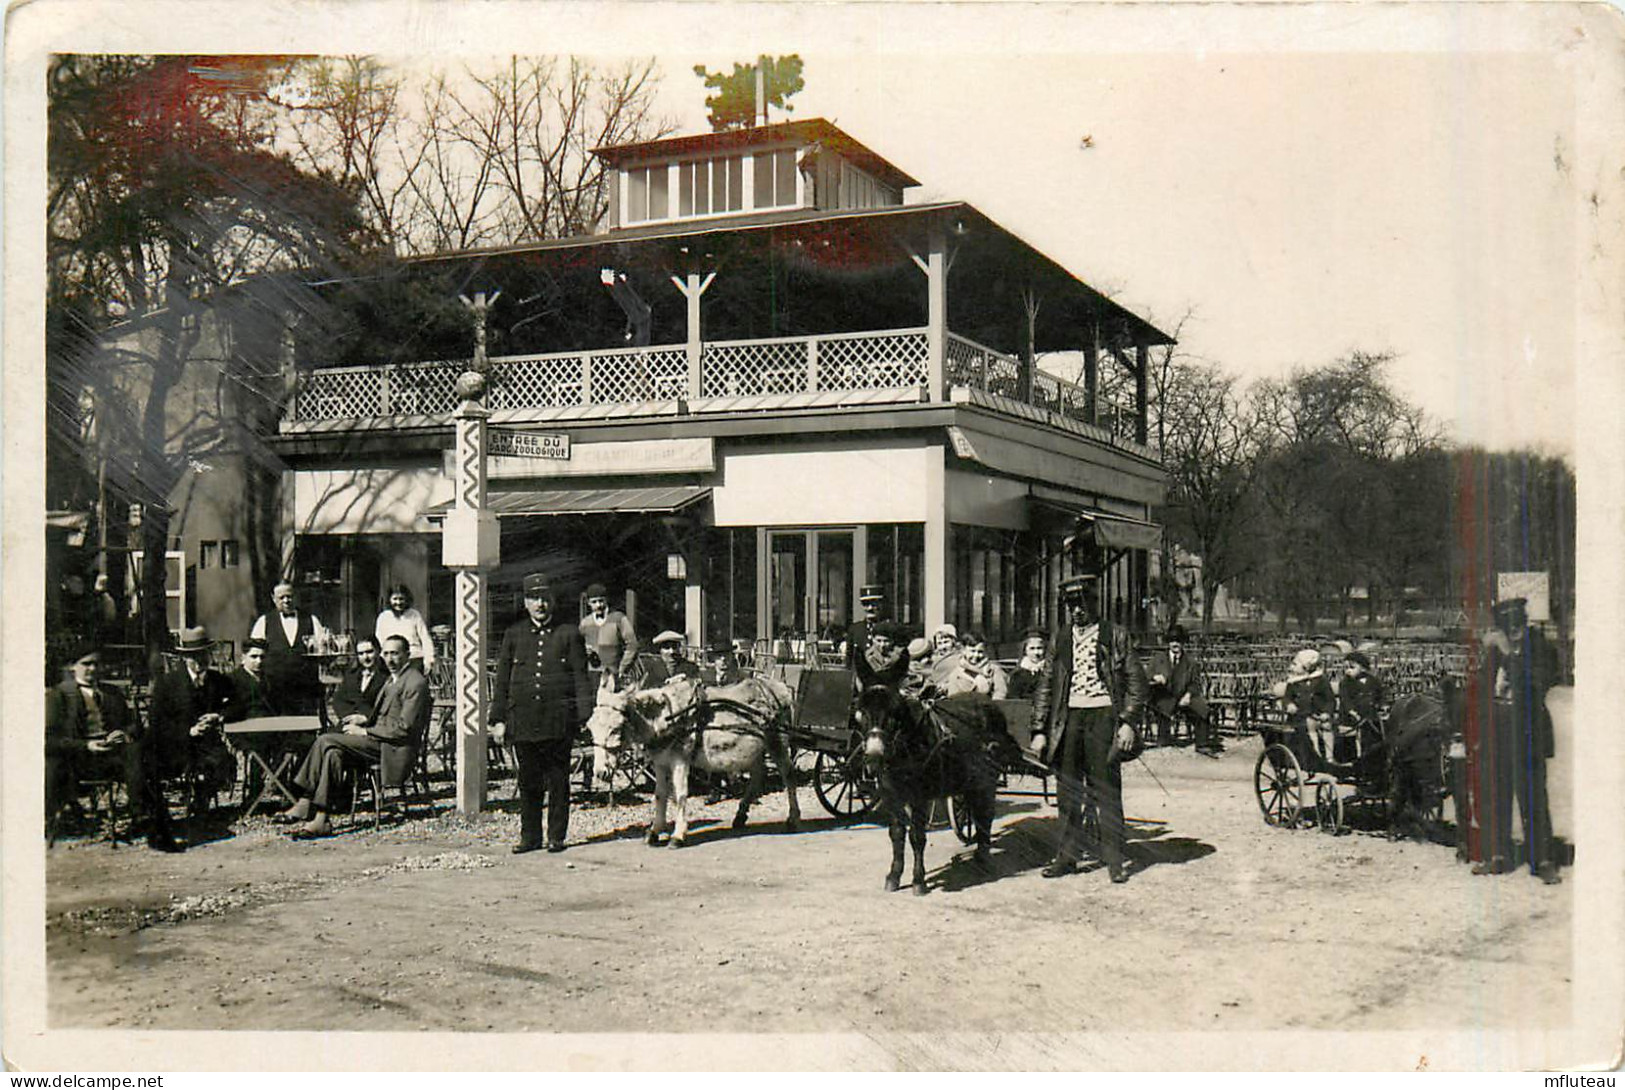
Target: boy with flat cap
<point>541,697</point>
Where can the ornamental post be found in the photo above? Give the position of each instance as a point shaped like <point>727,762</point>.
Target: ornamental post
<point>471,546</point>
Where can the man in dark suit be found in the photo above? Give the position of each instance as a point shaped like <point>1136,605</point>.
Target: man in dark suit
<point>355,701</point>
<point>188,708</point>
<point>541,697</point>
<point>872,600</point>
<point>90,734</point>
<point>1081,726</point>
<point>391,739</point>
<point>1524,667</point>
<point>251,696</point>
<point>1176,682</point>
<point>290,673</point>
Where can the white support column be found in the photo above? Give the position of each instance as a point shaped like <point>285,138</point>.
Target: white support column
<point>693,288</point>
<point>936,317</point>
<point>693,607</point>
<point>934,574</point>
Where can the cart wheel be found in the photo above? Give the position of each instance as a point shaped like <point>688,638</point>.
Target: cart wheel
<point>962,819</point>
<point>1328,807</point>
<point>1278,783</point>
<point>843,785</point>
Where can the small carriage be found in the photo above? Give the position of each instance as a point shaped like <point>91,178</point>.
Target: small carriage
<point>1398,770</point>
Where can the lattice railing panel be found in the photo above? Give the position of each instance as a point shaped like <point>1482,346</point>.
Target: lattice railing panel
<point>872,361</point>
<point>340,392</point>
<point>654,374</point>
<point>1003,375</point>
<point>749,368</point>
<point>534,382</point>
<point>428,388</point>
<point>963,363</point>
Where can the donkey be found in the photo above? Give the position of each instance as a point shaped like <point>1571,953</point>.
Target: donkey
<point>922,753</point>
<point>685,724</point>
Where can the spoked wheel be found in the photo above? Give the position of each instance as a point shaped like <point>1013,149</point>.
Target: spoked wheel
<point>843,785</point>
<point>1328,807</point>
<point>962,820</point>
<point>1278,783</point>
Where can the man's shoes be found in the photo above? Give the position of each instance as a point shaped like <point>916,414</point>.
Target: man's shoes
<point>299,811</point>
<point>521,849</point>
<point>1209,751</point>
<point>163,842</point>
<point>312,831</point>
<point>556,846</point>
<point>1547,872</point>
<point>1493,865</point>
<point>1119,874</point>
<point>1060,868</point>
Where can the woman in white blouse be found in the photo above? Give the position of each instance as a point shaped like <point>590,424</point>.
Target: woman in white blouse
<point>402,620</point>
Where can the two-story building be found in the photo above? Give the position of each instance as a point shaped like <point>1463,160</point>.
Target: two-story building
<point>767,382</point>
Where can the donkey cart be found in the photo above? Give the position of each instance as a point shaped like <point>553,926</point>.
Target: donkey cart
<point>1398,770</point>
<point>823,727</point>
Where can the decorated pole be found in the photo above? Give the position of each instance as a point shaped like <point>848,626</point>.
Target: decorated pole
<point>470,546</point>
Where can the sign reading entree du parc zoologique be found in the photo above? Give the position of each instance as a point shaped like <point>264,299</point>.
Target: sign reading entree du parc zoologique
<point>528,444</point>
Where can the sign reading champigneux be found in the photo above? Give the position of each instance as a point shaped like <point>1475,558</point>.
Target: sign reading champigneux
<point>527,444</point>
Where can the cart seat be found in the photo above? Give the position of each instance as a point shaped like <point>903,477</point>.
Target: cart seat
<point>824,704</point>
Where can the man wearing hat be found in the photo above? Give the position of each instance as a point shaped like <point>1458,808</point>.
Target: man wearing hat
<point>541,697</point>
<point>1176,683</point>
<point>90,734</point>
<point>608,635</point>
<point>1523,667</point>
<point>1359,708</point>
<point>671,663</point>
<point>1081,726</point>
<point>188,709</point>
<point>872,600</point>
<point>885,662</point>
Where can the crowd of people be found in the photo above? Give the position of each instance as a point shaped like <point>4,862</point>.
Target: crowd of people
<point>1093,703</point>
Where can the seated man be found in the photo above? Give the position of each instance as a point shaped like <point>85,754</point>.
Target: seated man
<point>671,662</point>
<point>1359,708</point>
<point>90,734</point>
<point>188,708</point>
<point>1176,682</point>
<point>251,697</point>
<point>355,701</point>
<point>402,720</point>
<point>975,671</point>
<point>882,662</point>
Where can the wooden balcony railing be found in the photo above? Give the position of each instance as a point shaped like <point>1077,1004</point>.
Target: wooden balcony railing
<point>879,360</point>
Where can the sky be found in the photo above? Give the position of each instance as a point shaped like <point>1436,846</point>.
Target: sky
<point>1299,206</point>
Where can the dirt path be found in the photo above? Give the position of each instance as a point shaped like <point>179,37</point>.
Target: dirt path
<point>1226,924</point>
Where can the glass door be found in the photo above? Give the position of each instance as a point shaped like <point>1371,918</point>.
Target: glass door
<point>832,592</point>
<point>809,576</point>
<point>786,587</point>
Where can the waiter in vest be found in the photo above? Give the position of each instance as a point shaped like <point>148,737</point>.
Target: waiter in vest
<point>290,674</point>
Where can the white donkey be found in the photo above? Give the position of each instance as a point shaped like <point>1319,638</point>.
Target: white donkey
<point>685,724</point>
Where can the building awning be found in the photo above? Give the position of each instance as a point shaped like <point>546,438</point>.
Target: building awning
<point>588,501</point>
<point>1107,530</point>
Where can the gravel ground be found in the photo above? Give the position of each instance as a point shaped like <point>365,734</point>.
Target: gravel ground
<point>430,926</point>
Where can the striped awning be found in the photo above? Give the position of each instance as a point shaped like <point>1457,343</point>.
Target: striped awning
<point>588,501</point>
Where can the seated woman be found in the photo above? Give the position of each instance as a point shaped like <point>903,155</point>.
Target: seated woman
<point>975,671</point>
<point>1307,699</point>
<point>1034,665</point>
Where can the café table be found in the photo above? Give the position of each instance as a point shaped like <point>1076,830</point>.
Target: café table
<point>250,738</point>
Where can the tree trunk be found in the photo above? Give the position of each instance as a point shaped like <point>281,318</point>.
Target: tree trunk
<point>1210,590</point>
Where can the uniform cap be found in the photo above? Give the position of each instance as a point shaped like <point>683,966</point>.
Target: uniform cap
<point>536,586</point>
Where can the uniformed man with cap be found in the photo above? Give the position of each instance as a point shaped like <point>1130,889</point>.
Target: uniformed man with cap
<point>1083,711</point>
<point>872,600</point>
<point>1522,666</point>
<point>540,698</point>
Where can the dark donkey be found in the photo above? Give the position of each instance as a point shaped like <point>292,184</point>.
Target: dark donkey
<point>922,753</point>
